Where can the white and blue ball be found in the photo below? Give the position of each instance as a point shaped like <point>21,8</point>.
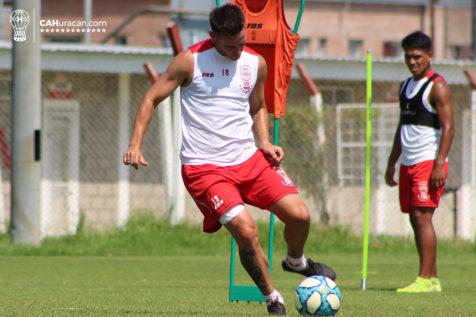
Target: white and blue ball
<point>317,296</point>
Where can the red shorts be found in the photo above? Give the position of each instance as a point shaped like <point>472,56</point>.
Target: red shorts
<point>216,189</point>
<point>415,189</point>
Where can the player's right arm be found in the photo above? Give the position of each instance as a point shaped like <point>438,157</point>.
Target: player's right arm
<point>179,73</point>
<point>393,158</point>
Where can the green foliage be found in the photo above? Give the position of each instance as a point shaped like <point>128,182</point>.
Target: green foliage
<point>298,137</point>
<point>148,236</point>
<point>304,158</point>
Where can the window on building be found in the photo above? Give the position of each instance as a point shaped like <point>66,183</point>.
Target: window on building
<point>322,49</point>
<point>460,52</point>
<point>303,47</point>
<point>355,48</point>
<point>392,49</point>
<point>333,95</point>
<point>192,36</point>
<point>120,40</point>
<point>164,41</point>
<point>63,39</point>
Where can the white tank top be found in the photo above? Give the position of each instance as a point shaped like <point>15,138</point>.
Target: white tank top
<point>216,120</point>
<point>419,143</point>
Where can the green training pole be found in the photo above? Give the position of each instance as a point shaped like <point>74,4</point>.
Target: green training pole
<point>299,16</point>
<point>368,158</point>
<point>217,3</point>
<point>271,216</point>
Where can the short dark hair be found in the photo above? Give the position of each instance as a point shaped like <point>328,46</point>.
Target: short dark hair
<point>227,20</point>
<point>417,40</point>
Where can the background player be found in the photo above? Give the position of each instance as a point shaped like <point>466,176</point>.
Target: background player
<point>423,139</point>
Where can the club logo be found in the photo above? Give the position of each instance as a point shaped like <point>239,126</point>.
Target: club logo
<point>285,180</point>
<point>245,75</point>
<point>217,202</point>
<point>19,20</point>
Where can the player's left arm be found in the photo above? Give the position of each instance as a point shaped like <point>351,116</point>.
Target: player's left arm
<point>440,97</point>
<point>260,117</point>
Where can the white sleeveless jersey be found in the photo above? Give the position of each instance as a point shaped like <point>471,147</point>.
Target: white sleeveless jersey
<point>419,143</point>
<point>216,120</point>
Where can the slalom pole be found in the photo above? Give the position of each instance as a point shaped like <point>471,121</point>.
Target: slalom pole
<point>368,157</point>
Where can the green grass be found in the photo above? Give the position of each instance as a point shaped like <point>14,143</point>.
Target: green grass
<point>151,269</point>
<point>197,286</point>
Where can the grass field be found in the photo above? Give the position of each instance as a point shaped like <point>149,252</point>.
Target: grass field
<point>138,277</point>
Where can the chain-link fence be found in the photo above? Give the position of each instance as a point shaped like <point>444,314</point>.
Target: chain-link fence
<point>87,120</point>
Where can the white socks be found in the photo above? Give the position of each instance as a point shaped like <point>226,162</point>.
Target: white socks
<point>298,264</point>
<point>274,296</point>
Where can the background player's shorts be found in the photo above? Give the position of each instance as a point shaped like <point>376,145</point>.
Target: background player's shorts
<point>216,189</point>
<point>415,189</point>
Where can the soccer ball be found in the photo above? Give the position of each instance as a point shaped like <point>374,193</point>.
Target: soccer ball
<point>317,296</point>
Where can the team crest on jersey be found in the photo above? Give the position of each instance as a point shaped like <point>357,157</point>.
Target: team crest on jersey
<point>285,180</point>
<point>245,75</point>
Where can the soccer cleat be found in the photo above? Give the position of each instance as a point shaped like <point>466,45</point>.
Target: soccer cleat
<point>435,285</point>
<point>421,285</point>
<point>312,268</point>
<point>276,308</point>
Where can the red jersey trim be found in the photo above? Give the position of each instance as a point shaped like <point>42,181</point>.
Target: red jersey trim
<point>431,73</point>
<point>207,44</point>
<point>202,46</point>
<point>249,50</point>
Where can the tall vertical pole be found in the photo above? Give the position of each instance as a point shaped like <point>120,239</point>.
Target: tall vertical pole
<point>177,213</point>
<point>88,15</point>
<point>123,142</point>
<point>368,160</point>
<point>26,124</point>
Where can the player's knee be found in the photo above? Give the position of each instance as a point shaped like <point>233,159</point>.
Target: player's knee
<point>419,218</point>
<point>300,214</point>
<point>248,237</point>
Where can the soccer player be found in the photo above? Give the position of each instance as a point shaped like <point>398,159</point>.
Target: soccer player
<point>423,139</point>
<point>222,101</point>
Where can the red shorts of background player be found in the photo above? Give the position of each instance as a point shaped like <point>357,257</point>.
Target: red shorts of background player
<point>415,188</point>
<point>216,189</point>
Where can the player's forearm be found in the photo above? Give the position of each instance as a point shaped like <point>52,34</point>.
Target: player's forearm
<point>447,133</point>
<point>260,126</point>
<point>143,117</point>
